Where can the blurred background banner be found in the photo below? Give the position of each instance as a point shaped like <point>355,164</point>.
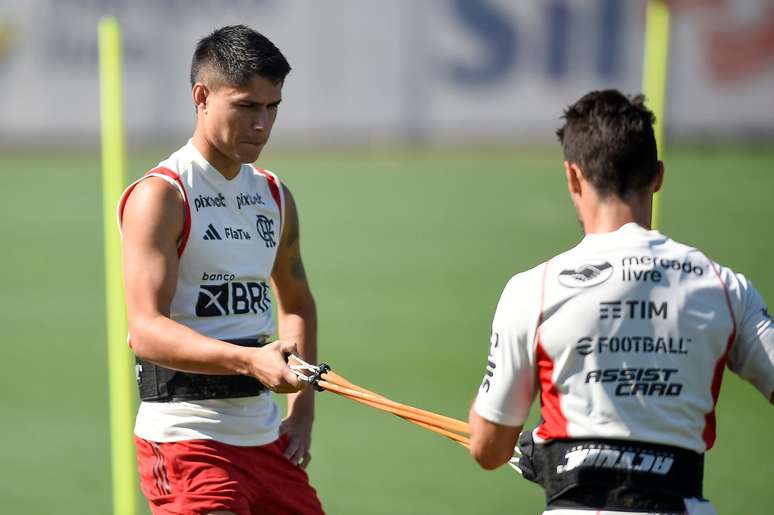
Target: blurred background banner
<point>395,71</point>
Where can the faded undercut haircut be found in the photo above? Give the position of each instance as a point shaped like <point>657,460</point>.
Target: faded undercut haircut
<point>235,54</point>
<point>610,137</point>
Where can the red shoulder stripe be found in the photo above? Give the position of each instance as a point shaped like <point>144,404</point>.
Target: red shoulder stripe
<point>710,423</point>
<point>274,187</point>
<point>187,213</point>
<point>554,422</point>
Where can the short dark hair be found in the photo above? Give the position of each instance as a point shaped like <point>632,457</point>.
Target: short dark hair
<point>237,53</point>
<point>610,137</point>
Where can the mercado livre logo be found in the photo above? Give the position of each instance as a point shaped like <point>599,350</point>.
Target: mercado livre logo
<point>587,274</point>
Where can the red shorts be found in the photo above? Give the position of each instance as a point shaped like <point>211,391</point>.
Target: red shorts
<point>195,477</point>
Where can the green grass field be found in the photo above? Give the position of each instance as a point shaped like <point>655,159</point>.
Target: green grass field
<point>407,255</point>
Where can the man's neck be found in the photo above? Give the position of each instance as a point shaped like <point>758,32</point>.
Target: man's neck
<point>225,166</point>
<point>612,214</point>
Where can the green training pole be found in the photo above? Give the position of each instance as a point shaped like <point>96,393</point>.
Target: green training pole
<point>654,75</point>
<point>120,363</point>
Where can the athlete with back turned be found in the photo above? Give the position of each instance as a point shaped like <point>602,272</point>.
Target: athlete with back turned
<point>625,339</point>
<point>204,235</point>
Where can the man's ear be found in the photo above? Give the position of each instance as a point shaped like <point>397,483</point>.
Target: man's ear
<point>659,180</point>
<point>574,178</point>
<point>199,94</point>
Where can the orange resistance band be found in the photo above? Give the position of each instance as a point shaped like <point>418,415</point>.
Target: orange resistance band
<point>451,428</point>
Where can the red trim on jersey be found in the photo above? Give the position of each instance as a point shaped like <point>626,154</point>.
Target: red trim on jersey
<point>187,220</point>
<point>709,433</point>
<point>124,198</point>
<point>274,188</point>
<point>554,422</point>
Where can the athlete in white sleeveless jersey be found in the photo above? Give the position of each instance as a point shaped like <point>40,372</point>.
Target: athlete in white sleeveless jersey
<point>210,242</point>
<point>219,293</point>
<point>624,338</point>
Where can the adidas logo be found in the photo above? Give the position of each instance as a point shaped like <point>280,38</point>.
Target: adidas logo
<point>211,234</point>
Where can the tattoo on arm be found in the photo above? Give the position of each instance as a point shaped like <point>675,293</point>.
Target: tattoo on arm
<point>297,268</point>
<point>292,229</point>
<point>292,244</point>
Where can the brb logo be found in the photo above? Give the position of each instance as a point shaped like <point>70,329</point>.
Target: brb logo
<point>232,298</point>
<point>265,227</point>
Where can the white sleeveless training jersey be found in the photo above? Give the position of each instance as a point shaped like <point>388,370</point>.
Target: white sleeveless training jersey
<point>625,336</point>
<point>231,232</point>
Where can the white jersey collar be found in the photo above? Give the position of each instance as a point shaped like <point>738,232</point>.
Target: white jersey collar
<point>207,169</point>
<point>628,231</point>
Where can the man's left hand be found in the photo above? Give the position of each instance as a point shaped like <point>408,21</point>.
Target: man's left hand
<point>298,428</point>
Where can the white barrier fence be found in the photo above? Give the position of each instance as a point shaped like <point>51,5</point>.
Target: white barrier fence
<point>398,69</point>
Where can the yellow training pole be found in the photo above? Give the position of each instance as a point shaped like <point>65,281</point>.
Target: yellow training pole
<point>120,363</point>
<point>654,75</point>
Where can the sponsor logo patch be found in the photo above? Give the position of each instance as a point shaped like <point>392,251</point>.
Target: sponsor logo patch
<point>217,276</point>
<point>234,233</point>
<point>632,344</point>
<point>647,382</point>
<point>632,309</point>
<point>232,298</point>
<point>211,234</point>
<point>651,268</point>
<point>249,199</point>
<point>490,364</point>
<point>584,346</point>
<point>596,456</point>
<point>586,275</point>
<point>230,233</point>
<point>205,201</point>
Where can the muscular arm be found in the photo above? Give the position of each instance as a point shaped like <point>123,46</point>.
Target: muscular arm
<point>491,444</point>
<point>152,223</point>
<point>297,323</point>
<point>509,385</point>
<point>752,353</point>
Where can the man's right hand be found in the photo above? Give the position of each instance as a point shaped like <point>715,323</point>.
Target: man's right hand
<point>269,365</point>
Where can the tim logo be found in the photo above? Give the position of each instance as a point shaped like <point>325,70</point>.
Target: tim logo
<point>589,274</point>
<point>642,309</point>
<point>265,227</point>
<point>233,298</point>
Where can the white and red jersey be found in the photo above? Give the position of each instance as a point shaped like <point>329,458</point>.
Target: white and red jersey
<point>626,336</point>
<point>227,250</point>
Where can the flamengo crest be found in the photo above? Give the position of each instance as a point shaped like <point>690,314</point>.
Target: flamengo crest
<point>265,227</point>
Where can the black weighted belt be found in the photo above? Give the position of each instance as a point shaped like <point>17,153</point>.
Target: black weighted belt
<point>618,475</point>
<point>161,384</point>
